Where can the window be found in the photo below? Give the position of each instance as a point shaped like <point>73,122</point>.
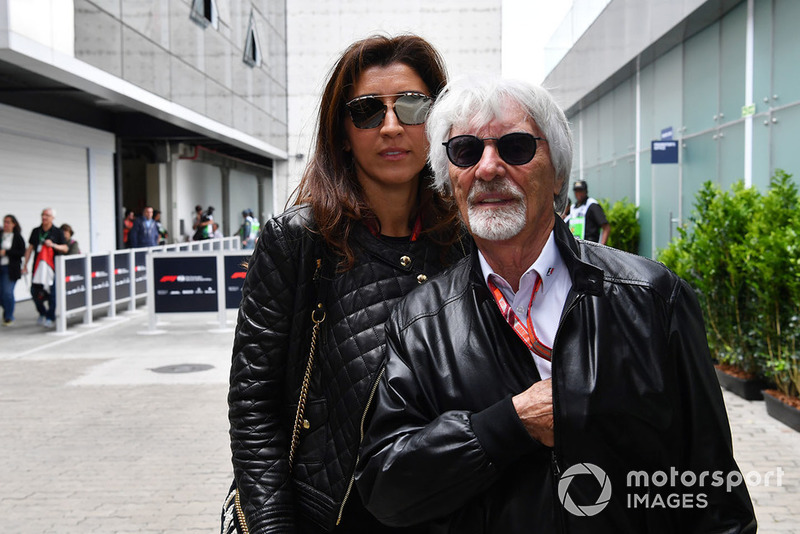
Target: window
<point>204,12</point>
<point>252,50</point>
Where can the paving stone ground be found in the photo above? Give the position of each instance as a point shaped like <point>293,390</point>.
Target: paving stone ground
<point>93,440</point>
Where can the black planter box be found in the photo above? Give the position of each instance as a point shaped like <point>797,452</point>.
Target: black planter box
<point>788,415</point>
<point>746,388</point>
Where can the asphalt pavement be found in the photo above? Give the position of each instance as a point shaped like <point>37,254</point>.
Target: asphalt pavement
<point>117,427</point>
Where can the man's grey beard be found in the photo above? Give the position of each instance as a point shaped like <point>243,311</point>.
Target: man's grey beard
<point>496,224</point>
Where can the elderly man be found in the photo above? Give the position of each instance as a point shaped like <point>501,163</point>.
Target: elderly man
<point>46,241</point>
<point>545,384</point>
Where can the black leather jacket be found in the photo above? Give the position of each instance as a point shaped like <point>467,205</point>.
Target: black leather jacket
<point>269,357</point>
<point>633,387</point>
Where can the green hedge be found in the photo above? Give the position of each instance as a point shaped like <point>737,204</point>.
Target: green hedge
<point>742,256</point>
<point>625,230</point>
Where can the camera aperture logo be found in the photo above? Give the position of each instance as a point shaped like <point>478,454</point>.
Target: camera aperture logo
<point>584,469</point>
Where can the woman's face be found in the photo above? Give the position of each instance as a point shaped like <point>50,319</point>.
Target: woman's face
<point>8,225</point>
<point>392,154</point>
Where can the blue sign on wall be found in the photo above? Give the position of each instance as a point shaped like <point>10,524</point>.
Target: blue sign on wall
<point>663,152</point>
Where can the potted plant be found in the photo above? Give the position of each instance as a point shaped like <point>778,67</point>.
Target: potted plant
<point>773,274</point>
<point>710,255</point>
<point>623,216</point>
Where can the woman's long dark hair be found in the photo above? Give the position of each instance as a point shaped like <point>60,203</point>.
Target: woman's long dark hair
<point>17,230</point>
<point>329,183</point>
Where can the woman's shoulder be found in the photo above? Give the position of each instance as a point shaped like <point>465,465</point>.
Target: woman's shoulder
<point>292,231</point>
<point>295,220</point>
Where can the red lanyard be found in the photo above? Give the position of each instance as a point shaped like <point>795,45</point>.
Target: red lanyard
<point>526,334</point>
<point>373,227</point>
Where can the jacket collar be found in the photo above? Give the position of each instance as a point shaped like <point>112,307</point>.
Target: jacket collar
<point>586,278</point>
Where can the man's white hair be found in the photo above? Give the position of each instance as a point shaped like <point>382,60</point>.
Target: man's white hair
<point>477,101</point>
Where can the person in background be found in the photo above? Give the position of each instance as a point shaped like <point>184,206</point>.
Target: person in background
<point>586,218</point>
<point>216,233</point>
<point>204,229</point>
<point>145,230</point>
<point>45,242</point>
<point>366,229</point>
<point>12,249</point>
<point>127,224</point>
<point>163,234</point>
<point>525,385</point>
<point>71,243</point>
<point>197,219</point>
<point>249,229</point>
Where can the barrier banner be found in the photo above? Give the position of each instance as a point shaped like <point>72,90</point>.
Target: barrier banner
<point>75,283</point>
<point>185,284</point>
<point>140,271</point>
<point>101,282</point>
<point>122,276</point>
<point>234,279</point>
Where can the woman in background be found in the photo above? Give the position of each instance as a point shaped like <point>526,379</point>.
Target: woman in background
<point>12,249</point>
<point>71,243</point>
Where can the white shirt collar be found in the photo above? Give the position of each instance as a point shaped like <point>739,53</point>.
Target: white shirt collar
<point>545,265</point>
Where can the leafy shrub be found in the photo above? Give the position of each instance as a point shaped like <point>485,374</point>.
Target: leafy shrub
<point>741,255</point>
<point>771,260</point>
<point>625,229</point>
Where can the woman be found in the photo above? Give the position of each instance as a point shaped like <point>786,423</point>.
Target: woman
<point>71,243</point>
<point>364,206</point>
<point>12,249</point>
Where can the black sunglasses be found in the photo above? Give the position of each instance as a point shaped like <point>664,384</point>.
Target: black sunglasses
<point>516,148</point>
<point>369,111</point>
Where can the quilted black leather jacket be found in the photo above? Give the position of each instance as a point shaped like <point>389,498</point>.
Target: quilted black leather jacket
<point>269,358</point>
<point>634,390</point>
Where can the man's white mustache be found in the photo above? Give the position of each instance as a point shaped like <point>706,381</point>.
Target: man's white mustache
<point>498,186</point>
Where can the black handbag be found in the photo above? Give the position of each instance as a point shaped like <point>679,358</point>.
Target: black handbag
<point>232,520</point>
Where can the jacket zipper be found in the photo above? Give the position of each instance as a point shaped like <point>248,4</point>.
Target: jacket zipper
<point>240,515</point>
<point>358,456</point>
<point>553,456</point>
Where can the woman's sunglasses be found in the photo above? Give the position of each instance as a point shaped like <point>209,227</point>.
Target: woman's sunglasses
<point>369,111</point>
<point>516,148</point>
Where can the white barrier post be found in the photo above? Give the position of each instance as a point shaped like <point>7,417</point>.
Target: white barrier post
<point>152,320</point>
<point>61,295</point>
<point>87,314</point>
<point>112,285</point>
<point>222,311</point>
<point>132,273</point>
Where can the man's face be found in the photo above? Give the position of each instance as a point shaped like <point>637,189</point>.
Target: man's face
<point>148,213</point>
<point>499,201</point>
<point>580,195</point>
<point>47,218</point>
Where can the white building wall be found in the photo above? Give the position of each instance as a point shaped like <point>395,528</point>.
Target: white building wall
<point>46,163</point>
<point>243,194</point>
<point>197,183</point>
<point>466,32</point>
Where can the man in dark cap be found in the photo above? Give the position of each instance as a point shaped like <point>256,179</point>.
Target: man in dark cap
<point>586,217</point>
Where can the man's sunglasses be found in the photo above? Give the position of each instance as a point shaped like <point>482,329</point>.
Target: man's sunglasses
<point>369,111</point>
<point>516,148</point>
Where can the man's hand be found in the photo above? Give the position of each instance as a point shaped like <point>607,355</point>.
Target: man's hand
<point>535,408</point>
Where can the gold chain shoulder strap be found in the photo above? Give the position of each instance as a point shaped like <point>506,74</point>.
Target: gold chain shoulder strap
<point>317,317</point>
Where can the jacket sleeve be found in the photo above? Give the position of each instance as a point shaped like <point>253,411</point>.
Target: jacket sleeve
<point>134,238</point>
<point>419,461</point>
<point>707,432</point>
<point>17,250</point>
<point>259,442</point>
